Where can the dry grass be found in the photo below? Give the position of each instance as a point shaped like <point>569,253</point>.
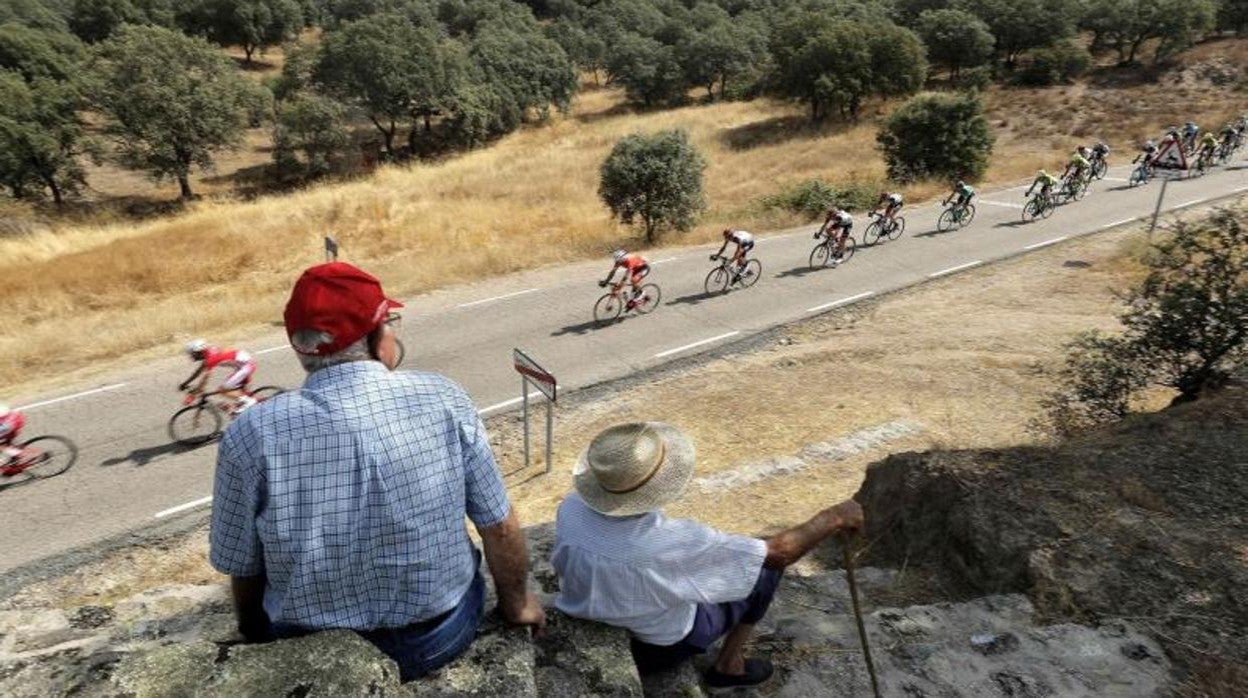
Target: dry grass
<point>224,267</point>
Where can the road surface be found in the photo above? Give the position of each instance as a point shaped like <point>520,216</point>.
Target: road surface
<point>128,476</point>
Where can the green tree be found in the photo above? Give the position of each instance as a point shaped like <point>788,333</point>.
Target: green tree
<point>649,70</point>
<point>1019,25</point>
<point>39,53</point>
<point>827,67</point>
<point>41,136</point>
<point>655,179</point>
<point>520,61</point>
<point>956,39</point>
<point>1126,25</point>
<point>586,49</point>
<point>35,14</point>
<point>309,131</point>
<point>96,20</point>
<point>171,101</point>
<point>1233,16</point>
<point>722,52</point>
<point>253,25</point>
<point>937,135</point>
<point>898,61</point>
<point>1059,63</point>
<point>388,67</point>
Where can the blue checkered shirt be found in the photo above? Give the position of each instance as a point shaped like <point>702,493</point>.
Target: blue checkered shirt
<point>350,496</point>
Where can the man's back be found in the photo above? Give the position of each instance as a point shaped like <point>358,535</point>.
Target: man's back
<point>350,496</point>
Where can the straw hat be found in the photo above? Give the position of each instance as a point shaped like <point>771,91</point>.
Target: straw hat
<point>634,468</point>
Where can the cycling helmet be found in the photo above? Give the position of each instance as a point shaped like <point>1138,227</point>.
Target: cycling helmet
<point>1042,173</point>
<point>1150,144</point>
<point>960,184</point>
<point>619,255</point>
<point>1083,150</point>
<point>727,232</point>
<point>196,347</point>
<point>4,410</point>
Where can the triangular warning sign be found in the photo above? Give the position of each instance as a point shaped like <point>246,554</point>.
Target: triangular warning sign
<point>1170,156</point>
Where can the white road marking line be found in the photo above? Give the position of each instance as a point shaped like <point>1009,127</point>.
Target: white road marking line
<point>1046,243</point>
<point>498,298</point>
<point>842,301</point>
<point>950,270</point>
<point>1006,204</point>
<point>506,403</point>
<point>85,393</point>
<point>1018,188</point>
<point>1185,204</point>
<point>677,350</point>
<point>1115,224</point>
<point>1114,179</point>
<point>271,350</point>
<point>665,259</point>
<point>183,507</point>
<point>1242,189</point>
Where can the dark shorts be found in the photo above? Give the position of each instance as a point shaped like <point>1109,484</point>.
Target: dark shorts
<point>423,647</point>
<point>746,247</point>
<point>712,621</point>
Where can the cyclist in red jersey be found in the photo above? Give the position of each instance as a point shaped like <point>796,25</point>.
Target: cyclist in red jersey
<point>635,268</point>
<point>11,423</point>
<point>239,362</point>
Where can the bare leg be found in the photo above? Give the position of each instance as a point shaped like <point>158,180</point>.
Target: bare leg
<point>731,658</point>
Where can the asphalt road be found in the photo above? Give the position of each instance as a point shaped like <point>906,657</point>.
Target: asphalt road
<point>129,476</point>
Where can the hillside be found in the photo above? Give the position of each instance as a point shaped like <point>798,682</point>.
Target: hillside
<point>529,199</point>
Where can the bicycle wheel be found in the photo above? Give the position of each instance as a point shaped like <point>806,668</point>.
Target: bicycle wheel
<point>266,392</point>
<point>650,295</point>
<point>608,308</point>
<point>716,281</point>
<point>1079,191</point>
<point>820,255</point>
<point>897,228</point>
<point>749,275</point>
<point>1099,168</point>
<point>850,245</point>
<point>56,455</point>
<point>1047,207</point>
<point>195,425</point>
<point>947,221</point>
<point>872,234</point>
<point>967,216</point>
<point>1031,210</point>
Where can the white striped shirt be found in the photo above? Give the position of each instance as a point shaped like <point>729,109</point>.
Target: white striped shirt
<point>648,573</point>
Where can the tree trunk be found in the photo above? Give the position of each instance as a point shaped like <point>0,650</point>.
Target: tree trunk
<point>1135,47</point>
<point>428,122</point>
<point>57,196</point>
<point>184,184</point>
<point>248,50</point>
<point>723,86</point>
<point>651,225</point>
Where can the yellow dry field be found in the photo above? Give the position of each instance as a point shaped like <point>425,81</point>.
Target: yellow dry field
<point>81,296</point>
<point>965,358</point>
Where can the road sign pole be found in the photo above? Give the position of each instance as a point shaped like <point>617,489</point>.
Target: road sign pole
<point>1161,195</point>
<point>524,399</point>
<point>550,431</point>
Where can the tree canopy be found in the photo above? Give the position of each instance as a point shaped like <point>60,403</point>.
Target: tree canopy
<point>655,179</point>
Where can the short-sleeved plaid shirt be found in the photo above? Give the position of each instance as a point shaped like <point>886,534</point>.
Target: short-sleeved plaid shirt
<point>350,496</point>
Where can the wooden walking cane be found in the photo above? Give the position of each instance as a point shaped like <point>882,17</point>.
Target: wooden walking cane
<point>846,542</point>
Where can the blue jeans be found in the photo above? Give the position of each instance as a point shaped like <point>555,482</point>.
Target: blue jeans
<point>420,649</point>
<point>712,621</point>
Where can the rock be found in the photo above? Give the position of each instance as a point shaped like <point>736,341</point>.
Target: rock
<point>90,617</point>
<point>172,671</point>
<point>26,631</point>
<point>499,662</point>
<point>684,681</point>
<point>989,643</point>
<point>579,658</point>
<point>333,663</point>
<point>172,600</point>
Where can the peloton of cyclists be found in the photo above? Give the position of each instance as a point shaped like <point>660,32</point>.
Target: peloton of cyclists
<point>635,269</point>
<point>240,363</point>
<point>839,221</point>
<point>744,241</point>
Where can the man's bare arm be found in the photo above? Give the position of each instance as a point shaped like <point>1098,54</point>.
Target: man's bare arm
<point>787,547</point>
<point>253,622</point>
<point>508,558</point>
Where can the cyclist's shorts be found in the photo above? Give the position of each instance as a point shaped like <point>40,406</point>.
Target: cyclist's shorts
<point>639,274</point>
<point>239,378</point>
<point>746,246</point>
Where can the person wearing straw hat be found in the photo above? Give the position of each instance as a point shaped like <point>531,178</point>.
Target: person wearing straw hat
<point>676,585</point>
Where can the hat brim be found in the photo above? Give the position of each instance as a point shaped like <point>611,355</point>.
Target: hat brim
<point>666,486</point>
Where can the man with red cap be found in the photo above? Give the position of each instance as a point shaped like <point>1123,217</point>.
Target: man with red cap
<point>342,504</point>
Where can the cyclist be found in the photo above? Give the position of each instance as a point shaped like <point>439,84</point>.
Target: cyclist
<point>11,423</point>
<point>963,192</point>
<point>1148,151</point>
<point>744,241</point>
<point>892,203</point>
<point>1208,146</point>
<point>635,269</point>
<point>240,363</point>
<point>838,220</point>
<point>1190,131</point>
<point>1045,182</point>
<point>1100,151</point>
<point>1229,135</point>
<point>1078,166</point>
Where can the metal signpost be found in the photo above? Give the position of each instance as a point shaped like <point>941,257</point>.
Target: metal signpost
<point>531,374</point>
<point>331,249</point>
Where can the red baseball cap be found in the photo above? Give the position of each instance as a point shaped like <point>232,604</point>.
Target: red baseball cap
<point>341,301</point>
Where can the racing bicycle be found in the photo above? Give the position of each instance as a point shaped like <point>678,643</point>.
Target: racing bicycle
<point>728,274</point>
<point>955,215</point>
<point>614,303</point>
<point>825,251</point>
<point>42,457</point>
<point>205,414</point>
<point>1140,175</point>
<point>1040,205</point>
<point>882,228</point>
<point>1073,188</point>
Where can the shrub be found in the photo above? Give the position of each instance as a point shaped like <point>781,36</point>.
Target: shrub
<point>813,197</point>
<point>1095,386</point>
<point>309,134</point>
<point>1059,63</point>
<point>937,135</point>
<point>657,179</point>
